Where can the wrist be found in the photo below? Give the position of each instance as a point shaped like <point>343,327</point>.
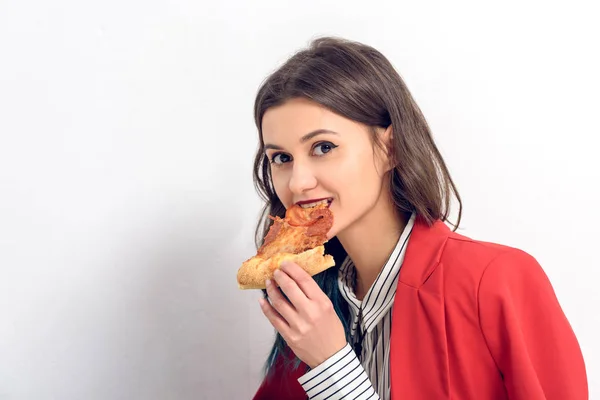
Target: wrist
<point>321,360</point>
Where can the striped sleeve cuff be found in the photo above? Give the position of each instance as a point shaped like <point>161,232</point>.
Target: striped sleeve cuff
<point>341,375</point>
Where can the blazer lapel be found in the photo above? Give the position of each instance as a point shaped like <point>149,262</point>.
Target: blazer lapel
<point>418,349</point>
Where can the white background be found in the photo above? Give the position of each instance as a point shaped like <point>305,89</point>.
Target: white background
<point>126,145</point>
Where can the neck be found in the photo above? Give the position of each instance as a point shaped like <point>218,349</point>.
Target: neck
<point>370,241</point>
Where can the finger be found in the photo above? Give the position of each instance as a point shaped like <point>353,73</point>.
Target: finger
<point>291,289</point>
<point>274,318</point>
<point>305,282</point>
<point>280,303</point>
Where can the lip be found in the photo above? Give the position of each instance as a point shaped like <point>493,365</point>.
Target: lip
<point>329,200</point>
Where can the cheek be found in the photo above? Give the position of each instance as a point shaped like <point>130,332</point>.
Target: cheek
<point>358,180</point>
<point>280,184</point>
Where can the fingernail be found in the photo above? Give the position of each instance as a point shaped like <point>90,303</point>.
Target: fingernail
<point>268,282</point>
<point>276,273</point>
<point>261,301</point>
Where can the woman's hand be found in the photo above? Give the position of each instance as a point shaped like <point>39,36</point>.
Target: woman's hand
<point>308,322</point>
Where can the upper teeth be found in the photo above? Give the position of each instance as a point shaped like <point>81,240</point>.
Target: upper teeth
<point>316,203</point>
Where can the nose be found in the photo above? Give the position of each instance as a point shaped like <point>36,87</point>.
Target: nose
<point>301,179</point>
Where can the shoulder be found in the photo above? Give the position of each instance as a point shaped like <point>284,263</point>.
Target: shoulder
<point>460,263</point>
<point>490,265</point>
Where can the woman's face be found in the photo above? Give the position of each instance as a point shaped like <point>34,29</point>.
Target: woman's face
<point>316,154</point>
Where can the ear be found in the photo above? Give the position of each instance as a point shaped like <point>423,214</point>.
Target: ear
<point>388,157</point>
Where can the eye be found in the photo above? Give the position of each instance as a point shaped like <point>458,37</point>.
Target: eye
<point>323,147</point>
<point>280,158</point>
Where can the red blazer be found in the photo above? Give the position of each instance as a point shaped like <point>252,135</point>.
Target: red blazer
<point>471,320</point>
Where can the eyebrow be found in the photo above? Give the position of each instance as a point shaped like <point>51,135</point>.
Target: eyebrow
<point>304,138</point>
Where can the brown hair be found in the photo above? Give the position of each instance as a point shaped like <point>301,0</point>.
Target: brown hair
<point>356,81</point>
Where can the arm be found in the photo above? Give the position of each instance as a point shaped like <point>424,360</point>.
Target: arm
<point>340,376</point>
<point>310,326</point>
<point>527,332</point>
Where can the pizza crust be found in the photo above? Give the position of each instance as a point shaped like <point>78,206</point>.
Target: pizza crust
<point>255,271</point>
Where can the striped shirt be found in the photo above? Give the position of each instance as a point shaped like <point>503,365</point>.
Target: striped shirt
<point>343,375</point>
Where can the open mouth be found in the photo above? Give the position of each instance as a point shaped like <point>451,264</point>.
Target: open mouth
<point>316,203</point>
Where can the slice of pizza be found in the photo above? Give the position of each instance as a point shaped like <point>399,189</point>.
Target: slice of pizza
<point>299,237</point>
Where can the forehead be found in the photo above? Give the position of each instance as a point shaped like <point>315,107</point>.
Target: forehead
<point>297,117</point>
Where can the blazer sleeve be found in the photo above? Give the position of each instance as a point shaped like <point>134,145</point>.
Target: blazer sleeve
<point>282,383</point>
<point>527,332</point>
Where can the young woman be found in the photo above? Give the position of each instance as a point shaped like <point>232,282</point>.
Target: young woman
<point>412,310</point>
